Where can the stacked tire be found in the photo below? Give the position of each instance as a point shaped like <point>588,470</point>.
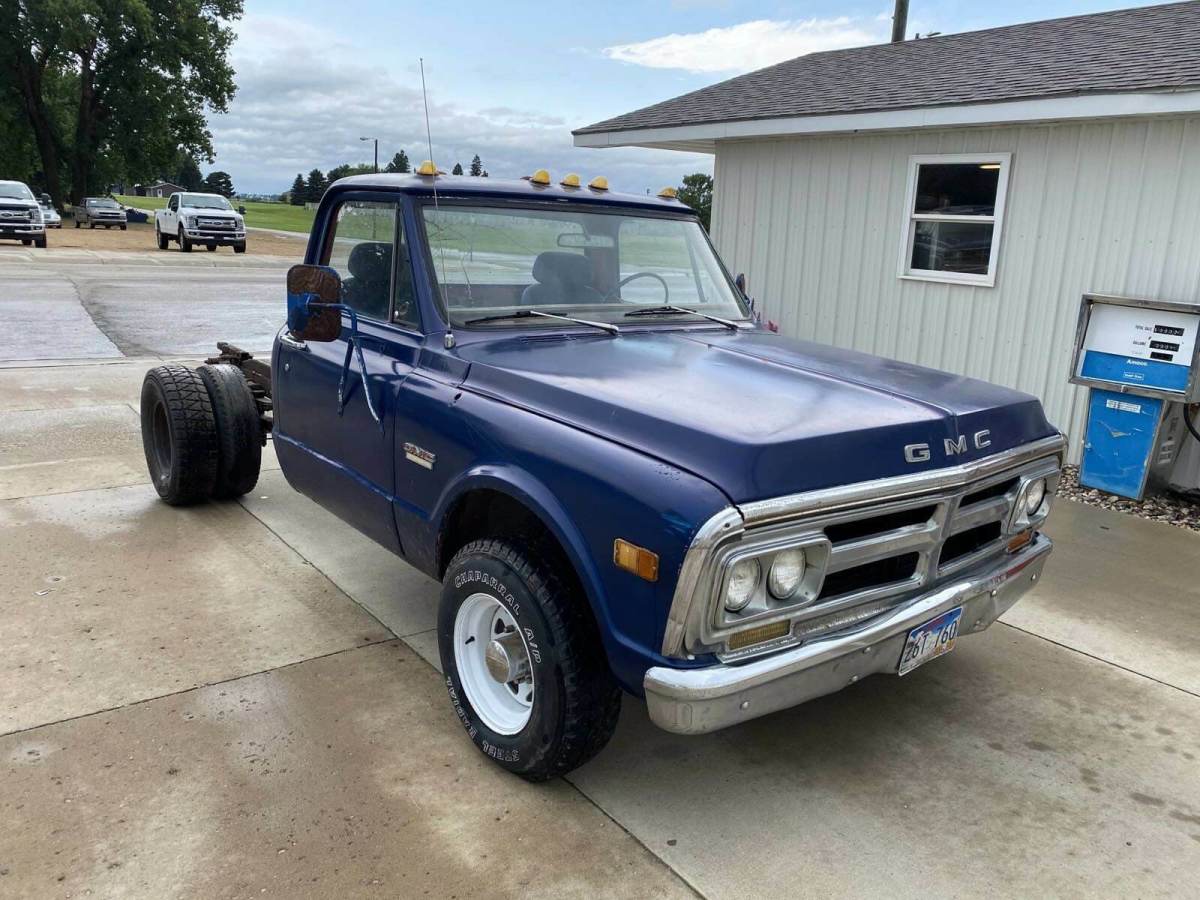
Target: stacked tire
<point>200,432</point>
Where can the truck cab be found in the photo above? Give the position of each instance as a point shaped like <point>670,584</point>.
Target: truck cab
<point>192,218</point>
<point>554,399</point>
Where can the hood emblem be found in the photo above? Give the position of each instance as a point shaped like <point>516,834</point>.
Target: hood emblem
<point>919,453</point>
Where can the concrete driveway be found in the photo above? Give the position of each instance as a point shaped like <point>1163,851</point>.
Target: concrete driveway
<point>241,699</point>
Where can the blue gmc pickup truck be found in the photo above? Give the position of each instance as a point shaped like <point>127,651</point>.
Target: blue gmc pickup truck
<point>554,399</point>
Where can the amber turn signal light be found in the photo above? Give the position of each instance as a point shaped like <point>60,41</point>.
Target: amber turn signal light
<point>638,560</point>
<point>759,635</point>
<point>1017,541</point>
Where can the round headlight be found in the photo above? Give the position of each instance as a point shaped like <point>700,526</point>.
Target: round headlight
<point>743,582</point>
<point>787,571</point>
<point>1034,495</point>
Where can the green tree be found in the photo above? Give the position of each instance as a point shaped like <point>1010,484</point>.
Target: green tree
<point>314,187</point>
<point>399,163</point>
<point>298,192</point>
<point>476,166</point>
<point>219,183</point>
<point>188,175</point>
<point>113,89</point>
<point>457,170</point>
<point>696,191</point>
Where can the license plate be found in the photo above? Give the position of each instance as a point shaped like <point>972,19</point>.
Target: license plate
<point>931,640</point>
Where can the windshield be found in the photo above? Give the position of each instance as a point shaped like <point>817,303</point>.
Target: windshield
<point>205,201</point>
<point>492,261</point>
<point>15,191</point>
<point>104,203</point>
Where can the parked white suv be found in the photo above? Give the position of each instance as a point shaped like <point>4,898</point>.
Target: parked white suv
<point>206,219</point>
<point>20,215</point>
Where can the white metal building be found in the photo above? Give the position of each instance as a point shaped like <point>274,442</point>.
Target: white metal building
<point>947,201</point>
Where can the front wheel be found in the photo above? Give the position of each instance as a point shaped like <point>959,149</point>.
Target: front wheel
<point>524,665</point>
<point>185,246</point>
<point>77,223</point>
<point>122,227</point>
<point>239,248</point>
<point>40,242</point>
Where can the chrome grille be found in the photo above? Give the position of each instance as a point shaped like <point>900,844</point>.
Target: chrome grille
<point>875,544</point>
<point>212,222</point>
<point>889,551</point>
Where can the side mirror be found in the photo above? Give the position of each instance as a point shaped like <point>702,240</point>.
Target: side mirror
<point>308,286</point>
<point>740,282</point>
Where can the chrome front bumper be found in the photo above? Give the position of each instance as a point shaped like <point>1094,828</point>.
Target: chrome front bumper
<point>695,701</point>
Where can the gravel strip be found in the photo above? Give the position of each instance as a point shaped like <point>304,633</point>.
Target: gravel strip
<point>1173,509</point>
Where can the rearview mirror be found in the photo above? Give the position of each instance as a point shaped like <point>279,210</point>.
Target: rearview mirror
<point>577,241</point>
<point>307,288</point>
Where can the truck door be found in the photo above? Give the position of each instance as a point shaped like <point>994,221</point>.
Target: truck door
<point>171,216</point>
<point>344,460</point>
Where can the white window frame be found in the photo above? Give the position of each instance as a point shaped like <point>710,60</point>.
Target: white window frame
<point>908,225</point>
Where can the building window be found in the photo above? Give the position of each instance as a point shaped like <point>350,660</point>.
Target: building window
<point>953,215</point>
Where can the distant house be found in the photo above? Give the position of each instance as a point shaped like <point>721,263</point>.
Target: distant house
<point>158,189</point>
<point>947,201</point>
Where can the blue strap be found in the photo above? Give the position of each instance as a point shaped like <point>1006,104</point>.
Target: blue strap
<point>353,346</point>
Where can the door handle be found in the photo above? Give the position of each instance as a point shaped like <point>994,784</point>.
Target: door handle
<point>290,341</point>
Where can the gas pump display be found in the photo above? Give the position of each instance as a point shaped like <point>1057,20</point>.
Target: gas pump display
<point>1139,357</point>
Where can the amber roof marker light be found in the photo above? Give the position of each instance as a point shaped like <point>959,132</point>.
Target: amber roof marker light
<point>599,183</point>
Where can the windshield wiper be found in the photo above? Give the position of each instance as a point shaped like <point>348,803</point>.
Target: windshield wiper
<point>679,310</point>
<point>529,313</point>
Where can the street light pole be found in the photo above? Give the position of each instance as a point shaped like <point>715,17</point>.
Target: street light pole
<point>376,140</point>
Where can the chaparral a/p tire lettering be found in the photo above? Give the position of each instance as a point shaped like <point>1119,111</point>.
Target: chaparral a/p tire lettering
<point>523,662</point>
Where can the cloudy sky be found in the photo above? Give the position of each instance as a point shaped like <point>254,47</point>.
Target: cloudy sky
<point>509,79</point>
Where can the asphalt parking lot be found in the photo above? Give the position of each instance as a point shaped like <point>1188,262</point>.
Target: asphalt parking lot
<point>241,699</point>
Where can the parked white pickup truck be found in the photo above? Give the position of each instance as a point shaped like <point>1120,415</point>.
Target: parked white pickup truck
<point>206,219</point>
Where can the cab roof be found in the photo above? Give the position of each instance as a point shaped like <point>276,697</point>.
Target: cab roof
<point>458,186</point>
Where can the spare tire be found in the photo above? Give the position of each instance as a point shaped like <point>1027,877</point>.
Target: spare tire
<point>239,434</point>
<point>179,435</point>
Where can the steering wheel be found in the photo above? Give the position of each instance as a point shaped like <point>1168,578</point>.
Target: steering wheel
<point>616,294</point>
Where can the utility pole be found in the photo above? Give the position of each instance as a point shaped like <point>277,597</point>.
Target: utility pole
<point>899,21</point>
<point>376,140</point>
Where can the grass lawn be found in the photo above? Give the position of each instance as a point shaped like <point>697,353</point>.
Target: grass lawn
<point>258,215</point>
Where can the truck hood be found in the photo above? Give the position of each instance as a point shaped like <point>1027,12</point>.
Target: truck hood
<point>207,212</point>
<point>756,414</point>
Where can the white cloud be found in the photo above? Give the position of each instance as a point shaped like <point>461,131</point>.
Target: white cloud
<point>304,98</point>
<point>750,45</point>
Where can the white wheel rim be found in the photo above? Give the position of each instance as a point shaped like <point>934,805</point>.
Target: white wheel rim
<point>483,622</point>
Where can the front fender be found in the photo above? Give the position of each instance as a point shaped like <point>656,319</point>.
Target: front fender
<point>588,491</point>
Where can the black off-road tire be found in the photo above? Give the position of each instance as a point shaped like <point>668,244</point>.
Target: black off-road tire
<point>163,240</point>
<point>179,435</point>
<point>40,242</point>
<point>239,248</point>
<point>239,437</point>
<point>576,699</point>
<point>185,246</point>
<point>210,247</point>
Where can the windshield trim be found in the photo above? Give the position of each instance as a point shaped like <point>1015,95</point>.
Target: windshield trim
<point>557,205</point>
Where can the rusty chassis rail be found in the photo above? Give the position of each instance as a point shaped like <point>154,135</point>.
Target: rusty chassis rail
<point>258,376</point>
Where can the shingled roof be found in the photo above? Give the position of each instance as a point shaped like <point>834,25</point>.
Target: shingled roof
<point>1151,48</point>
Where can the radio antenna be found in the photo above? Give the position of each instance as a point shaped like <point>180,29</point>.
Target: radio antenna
<point>449,339</point>
<point>428,133</point>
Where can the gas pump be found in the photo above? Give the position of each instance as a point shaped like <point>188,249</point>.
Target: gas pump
<point>1140,360</point>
